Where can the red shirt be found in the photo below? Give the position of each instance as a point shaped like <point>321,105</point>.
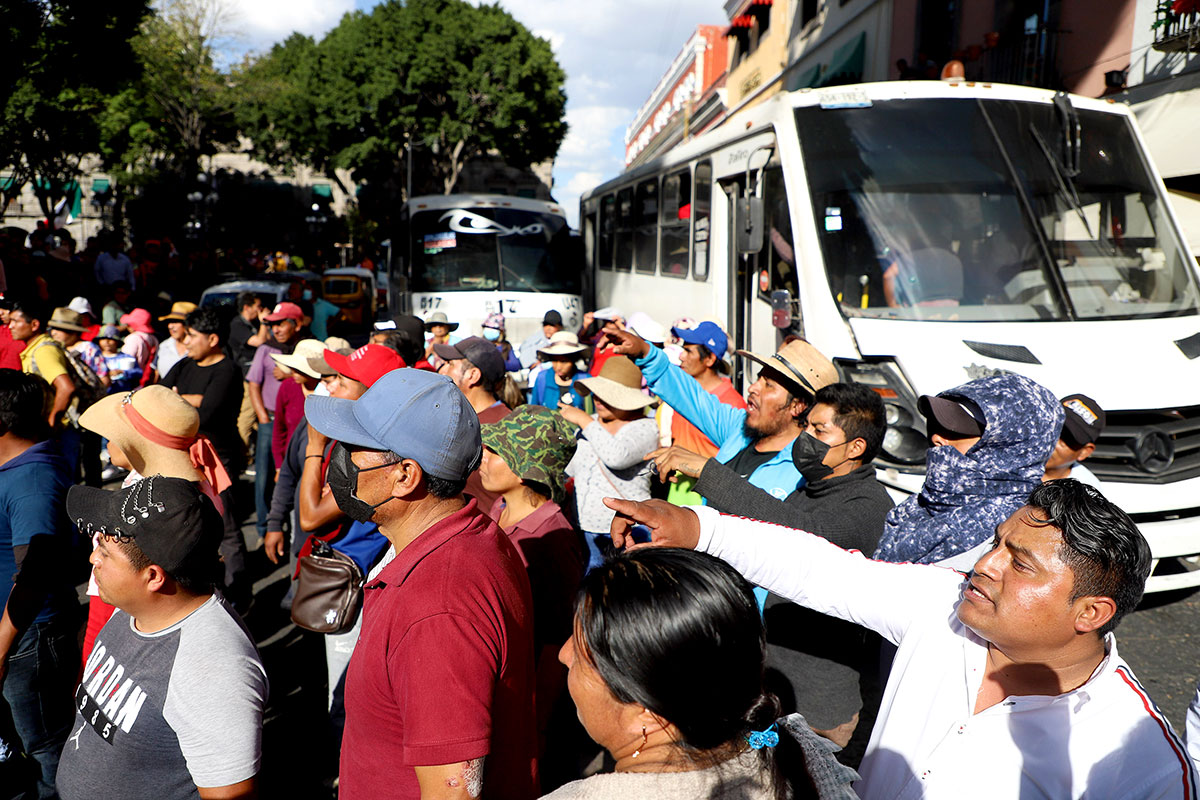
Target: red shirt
<point>443,670</point>
<point>10,350</point>
<point>289,414</point>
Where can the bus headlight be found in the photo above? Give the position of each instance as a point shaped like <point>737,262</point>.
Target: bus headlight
<point>905,442</point>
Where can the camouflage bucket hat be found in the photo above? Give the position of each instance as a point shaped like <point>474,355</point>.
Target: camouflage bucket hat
<point>536,443</point>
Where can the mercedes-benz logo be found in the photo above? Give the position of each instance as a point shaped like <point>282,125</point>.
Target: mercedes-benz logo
<point>1153,451</point>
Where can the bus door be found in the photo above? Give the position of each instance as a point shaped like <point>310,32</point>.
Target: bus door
<point>743,187</point>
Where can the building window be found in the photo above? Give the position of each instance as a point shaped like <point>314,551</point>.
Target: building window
<point>808,11</point>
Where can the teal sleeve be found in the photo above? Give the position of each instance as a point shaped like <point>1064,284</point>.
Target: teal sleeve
<point>716,420</point>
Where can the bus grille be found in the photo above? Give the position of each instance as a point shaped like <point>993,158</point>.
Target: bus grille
<point>1160,446</point>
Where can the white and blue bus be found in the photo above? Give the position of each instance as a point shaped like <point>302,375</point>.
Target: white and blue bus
<point>925,233</point>
<point>469,255</point>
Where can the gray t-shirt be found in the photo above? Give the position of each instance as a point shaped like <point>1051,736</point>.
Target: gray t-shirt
<point>160,714</point>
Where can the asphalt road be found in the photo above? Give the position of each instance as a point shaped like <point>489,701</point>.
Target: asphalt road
<point>1161,641</point>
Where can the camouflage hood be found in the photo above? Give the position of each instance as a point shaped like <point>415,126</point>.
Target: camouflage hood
<point>536,443</point>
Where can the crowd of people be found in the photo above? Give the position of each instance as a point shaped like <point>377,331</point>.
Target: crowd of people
<point>591,568</point>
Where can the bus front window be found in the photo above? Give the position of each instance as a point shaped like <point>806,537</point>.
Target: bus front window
<point>920,215</point>
<point>485,248</point>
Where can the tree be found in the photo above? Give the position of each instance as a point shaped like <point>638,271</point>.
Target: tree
<point>451,79</point>
<point>62,60</point>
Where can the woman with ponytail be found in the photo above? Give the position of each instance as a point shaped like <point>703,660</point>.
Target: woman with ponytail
<point>666,671</point>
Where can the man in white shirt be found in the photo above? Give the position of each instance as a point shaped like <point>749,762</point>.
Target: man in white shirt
<point>1007,682</point>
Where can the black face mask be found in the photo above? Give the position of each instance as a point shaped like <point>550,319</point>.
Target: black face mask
<point>342,477</point>
<point>808,453</point>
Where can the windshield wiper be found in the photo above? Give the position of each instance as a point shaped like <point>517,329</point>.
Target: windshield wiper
<point>1056,278</point>
<point>505,268</point>
<point>1066,186</point>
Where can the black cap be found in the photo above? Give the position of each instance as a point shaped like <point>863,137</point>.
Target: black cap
<point>1083,422</point>
<point>480,352</point>
<point>956,415</point>
<point>552,318</point>
<point>169,519</point>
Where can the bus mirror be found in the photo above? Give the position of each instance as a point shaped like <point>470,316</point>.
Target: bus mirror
<point>781,309</point>
<point>749,225</point>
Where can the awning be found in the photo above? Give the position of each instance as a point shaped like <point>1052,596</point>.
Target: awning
<point>322,190</point>
<point>804,79</point>
<point>739,25</point>
<point>1187,211</point>
<point>1168,121</point>
<point>846,66</point>
<point>100,185</point>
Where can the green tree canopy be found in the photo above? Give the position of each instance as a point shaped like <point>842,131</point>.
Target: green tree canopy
<point>456,80</point>
<point>61,61</point>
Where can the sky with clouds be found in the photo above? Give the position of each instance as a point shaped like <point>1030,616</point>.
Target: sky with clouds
<point>613,51</point>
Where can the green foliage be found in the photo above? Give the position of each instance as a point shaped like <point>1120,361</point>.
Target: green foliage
<point>62,59</point>
<point>455,79</point>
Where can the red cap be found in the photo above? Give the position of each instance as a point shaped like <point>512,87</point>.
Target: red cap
<point>285,311</point>
<point>367,364</point>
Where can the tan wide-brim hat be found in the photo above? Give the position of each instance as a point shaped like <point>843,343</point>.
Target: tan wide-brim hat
<point>307,358</point>
<point>66,319</point>
<point>619,385</point>
<point>163,409</point>
<point>563,343</point>
<point>799,362</point>
<point>179,312</point>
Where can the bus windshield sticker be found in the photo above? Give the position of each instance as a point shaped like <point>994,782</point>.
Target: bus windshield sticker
<point>437,242</point>
<point>845,98</point>
<point>463,221</point>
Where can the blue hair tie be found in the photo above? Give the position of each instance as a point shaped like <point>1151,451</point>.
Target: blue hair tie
<point>760,739</point>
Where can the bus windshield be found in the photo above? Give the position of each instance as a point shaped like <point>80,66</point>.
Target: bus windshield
<point>481,248</point>
<point>961,210</point>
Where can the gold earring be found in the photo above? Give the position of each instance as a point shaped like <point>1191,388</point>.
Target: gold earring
<point>638,752</point>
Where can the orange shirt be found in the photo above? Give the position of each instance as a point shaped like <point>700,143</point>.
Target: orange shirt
<point>687,435</point>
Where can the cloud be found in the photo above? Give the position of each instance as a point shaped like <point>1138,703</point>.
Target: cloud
<point>261,23</point>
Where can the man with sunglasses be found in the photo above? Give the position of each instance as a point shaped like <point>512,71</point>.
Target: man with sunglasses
<point>439,693</point>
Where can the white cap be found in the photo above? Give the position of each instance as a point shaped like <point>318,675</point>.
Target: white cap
<point>608,313</point>
<point>645,327</point>
<point>80,305</point>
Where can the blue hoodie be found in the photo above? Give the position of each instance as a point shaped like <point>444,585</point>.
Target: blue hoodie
<point>33,502</point>
<point>966,496</point>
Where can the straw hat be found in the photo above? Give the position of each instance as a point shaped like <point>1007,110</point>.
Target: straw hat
<point>439,318</point>
<point>66,320</point>
<point>179,312</point>
<point>337,344</point>
<point>799,362</point>
<point>162,408</point>
<point>307,358</point>
<point>619,385</point>
<point>563,343</point>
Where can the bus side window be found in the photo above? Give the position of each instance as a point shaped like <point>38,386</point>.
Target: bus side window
<point>701,207</point>
<point>645,236</point>
<point>779,249</point>
<point>608,230</point>
<point>623,249</point>
<point>676,214</point>
<point>590,244</point>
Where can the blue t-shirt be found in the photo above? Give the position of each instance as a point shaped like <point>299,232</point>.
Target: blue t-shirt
<point>33,502</point>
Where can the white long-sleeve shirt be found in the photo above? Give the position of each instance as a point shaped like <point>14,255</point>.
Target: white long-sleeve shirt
<point>1105,739</point>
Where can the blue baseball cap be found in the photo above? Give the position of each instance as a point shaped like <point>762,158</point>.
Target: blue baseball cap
<point>708,334</point>
<point>411,412</point>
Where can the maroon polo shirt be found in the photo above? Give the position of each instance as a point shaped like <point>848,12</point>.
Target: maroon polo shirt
<point>443,670</point>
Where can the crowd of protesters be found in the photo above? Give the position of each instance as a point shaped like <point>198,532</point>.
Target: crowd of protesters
<point>513,639</point>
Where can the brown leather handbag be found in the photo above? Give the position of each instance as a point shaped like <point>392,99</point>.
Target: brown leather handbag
<point>329,591</point>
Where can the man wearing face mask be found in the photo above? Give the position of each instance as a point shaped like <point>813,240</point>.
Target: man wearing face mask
<point>817,656</point>
<point>439,694</point>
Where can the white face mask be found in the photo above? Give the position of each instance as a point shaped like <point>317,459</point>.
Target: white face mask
<point>322,389</point>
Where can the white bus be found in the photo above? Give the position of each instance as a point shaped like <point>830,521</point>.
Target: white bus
<point>471,255</point>
<point>926,233</point>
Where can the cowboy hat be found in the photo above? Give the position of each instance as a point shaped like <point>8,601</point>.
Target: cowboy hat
<point>619,385</point>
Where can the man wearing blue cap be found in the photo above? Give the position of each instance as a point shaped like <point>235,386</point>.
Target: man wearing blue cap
<point>442,677</point>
